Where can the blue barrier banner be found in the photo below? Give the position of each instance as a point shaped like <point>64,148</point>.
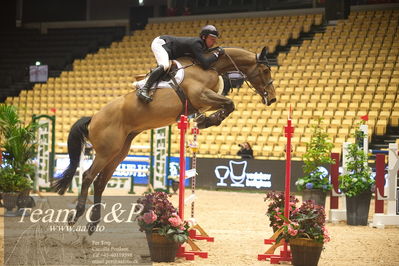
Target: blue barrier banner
<point>134,165</point>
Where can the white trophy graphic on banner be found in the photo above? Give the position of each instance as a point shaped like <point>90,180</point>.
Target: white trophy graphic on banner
<point>222,172</point>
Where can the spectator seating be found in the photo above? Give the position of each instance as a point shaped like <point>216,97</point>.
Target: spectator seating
<point>346,72</point>
<point>349,71</point>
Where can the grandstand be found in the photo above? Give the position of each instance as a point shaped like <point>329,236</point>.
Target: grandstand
<point>22,47</point>
<point>343,72</point>
<point>346,72</point>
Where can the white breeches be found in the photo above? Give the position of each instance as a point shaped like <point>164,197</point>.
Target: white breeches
<point>160,54</point>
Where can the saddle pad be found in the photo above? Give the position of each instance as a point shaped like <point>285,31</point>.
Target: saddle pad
<point>164,84</point>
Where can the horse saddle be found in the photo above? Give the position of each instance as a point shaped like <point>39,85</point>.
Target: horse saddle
<point>175,71</point>
<point>172,72</point>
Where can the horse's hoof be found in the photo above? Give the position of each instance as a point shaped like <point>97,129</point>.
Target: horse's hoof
<point>71,219</point>
<point>200,119</point>
<point>91,228</point>
<point>204,124</point>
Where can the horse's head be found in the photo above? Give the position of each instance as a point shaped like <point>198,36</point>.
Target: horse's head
<point>255,67</point>
<point>261,78</point>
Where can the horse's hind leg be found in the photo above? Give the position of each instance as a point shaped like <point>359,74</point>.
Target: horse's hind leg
<point>102,159</point>
<point>88,176</point>
<point>101,182</point>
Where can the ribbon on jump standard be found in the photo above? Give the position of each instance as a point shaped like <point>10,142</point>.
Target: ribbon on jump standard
<point>189,255</point>
<point>285,254</point>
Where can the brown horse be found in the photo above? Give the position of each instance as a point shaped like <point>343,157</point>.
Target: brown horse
<point>112,129</point>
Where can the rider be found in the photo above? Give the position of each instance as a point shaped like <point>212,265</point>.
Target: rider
<point>168,47</point>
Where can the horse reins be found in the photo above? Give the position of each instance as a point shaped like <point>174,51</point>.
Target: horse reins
<point>246,77</point>
<point>182,67</point>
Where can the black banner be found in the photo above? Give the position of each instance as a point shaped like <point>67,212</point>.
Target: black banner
<point>245,174</point>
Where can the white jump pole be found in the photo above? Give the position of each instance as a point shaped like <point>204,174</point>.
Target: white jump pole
<point>391,189</point>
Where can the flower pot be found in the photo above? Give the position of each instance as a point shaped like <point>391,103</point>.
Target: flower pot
<point>305,251</point>
<point>10,202</point>
<point>357,208</point>
<point>317,195</point>
<point>25,201</point>
<point>161,248</point>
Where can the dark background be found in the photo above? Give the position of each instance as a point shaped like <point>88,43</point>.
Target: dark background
<point>84,10</point>
<point>74,10</point>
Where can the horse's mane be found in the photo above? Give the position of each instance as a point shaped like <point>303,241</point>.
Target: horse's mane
<point>239,55</point>
<point>186,61</point>
<point>233,48</point>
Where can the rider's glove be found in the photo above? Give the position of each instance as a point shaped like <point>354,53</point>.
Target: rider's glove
<point>220,51</point>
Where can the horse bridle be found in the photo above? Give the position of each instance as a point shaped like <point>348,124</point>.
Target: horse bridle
<point>258,61</point>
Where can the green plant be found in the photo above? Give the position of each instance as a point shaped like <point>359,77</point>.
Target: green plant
<point>18,141</point>
<point>159,215</point>
<point>13,182</point>
<point>308,221</point>
<point>358,177</point>
<point>275,207</point>
<point>318,153</point>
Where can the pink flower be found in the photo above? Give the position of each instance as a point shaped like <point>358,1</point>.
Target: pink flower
<point>294,211</point>
<point>175,221</point>
<point>326,235</point>
<point>292,231</point>
<point>326,239</point>
<point>149,217</point>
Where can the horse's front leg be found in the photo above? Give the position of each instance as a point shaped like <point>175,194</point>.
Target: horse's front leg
<point>224,105</point>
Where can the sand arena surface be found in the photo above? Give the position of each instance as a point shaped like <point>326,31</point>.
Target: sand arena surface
<point>238,223</point>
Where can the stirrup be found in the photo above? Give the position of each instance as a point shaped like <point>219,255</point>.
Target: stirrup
<point>145,98</point>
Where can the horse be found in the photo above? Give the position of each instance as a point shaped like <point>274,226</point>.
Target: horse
<point>112,129</point>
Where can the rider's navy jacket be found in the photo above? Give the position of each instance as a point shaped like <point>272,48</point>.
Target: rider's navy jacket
<point>188,46</point>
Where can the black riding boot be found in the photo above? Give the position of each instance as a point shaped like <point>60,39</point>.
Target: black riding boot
<point>154,76</point>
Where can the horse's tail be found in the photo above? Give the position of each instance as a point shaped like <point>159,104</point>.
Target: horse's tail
<point>76,140</point>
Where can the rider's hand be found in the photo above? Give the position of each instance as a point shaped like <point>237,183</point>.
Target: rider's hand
<point>220,51</point>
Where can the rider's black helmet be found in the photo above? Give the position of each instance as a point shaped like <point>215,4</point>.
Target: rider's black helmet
<point>209,30</point>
